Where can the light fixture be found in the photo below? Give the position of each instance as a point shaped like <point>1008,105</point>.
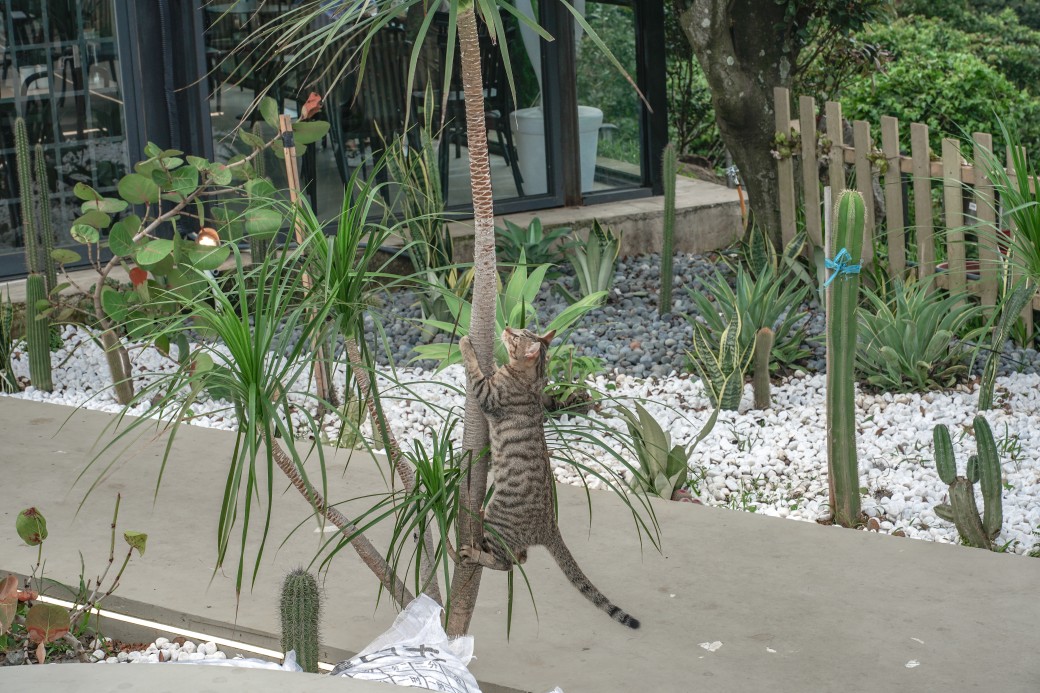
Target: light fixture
<point>208,237</point>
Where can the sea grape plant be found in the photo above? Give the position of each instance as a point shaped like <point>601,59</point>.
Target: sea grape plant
<point>975,530</point>
<point>842,293</point>
<point>169,198</point>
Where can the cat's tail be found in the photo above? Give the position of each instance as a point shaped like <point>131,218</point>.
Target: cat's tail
<point>570,568</point>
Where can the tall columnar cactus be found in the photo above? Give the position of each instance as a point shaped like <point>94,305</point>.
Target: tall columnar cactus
<point>300,611</point>
<point>985,466</point>
<point>7,381</point>
<point>760,376</point>
<point>842,291</point>
<point>670,174</point>
<point>30,238</point>
<point>258,246</point>
<point>46,228</point>
<point>37,334</point>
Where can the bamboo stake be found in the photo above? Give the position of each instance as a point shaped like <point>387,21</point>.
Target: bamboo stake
<point>292,176</point>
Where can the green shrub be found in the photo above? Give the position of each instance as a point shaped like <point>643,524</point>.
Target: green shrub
<point>913,339</point>
<point>531,244</point>
<point>935,78</point>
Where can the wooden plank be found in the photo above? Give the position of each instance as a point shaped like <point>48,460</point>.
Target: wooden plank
<point>292,176</point>
<point>985,213</point>
<point>865,185</point>
<point>1014,272</point>
<point>836,164</point>
<point>953,214</point>
<point>893,197</point>
<point>810,170</point>
<point>785,167</point>
<point>922,177</point>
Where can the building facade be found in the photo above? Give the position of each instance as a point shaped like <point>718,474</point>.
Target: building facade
<point>95,80</point>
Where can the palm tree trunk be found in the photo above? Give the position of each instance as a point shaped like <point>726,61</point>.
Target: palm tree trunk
<point>466,581</point>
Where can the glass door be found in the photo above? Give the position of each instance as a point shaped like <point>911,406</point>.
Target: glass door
<point>60,71</point>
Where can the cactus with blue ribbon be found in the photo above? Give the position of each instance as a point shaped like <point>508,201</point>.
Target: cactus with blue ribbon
<point>842,294</point>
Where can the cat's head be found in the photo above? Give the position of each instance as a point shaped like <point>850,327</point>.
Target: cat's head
<point>527,350</point>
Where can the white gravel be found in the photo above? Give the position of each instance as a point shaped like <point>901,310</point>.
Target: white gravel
<point>162,650</point>
<point>771,462</point>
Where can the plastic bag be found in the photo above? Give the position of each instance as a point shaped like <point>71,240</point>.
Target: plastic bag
<point>250,663</point>
<point>416,652</point>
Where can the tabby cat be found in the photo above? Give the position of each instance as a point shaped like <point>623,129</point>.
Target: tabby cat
<point>521,512</point>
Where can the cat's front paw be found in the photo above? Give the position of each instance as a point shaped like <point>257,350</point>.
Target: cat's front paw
<point>469,555</point>
<point>464,344</point>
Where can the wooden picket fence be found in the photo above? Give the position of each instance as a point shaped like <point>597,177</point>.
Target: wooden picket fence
<point>982,277</point>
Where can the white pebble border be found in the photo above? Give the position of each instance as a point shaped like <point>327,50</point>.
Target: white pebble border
<point>771,462</point>
<point>162,650</point>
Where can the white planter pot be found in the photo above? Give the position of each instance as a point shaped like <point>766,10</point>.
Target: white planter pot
<point>528,126</point>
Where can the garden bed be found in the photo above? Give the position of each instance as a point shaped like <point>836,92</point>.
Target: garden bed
<point>770,462</point>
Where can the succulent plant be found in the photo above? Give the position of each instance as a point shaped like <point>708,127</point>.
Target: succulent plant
<point>37,333</point>
<point>842,292</point>
<point>663,468</point>
<point>722,368</point>
<point>975,530</point>
<point>7,381</point>
<point>670,176</point>
<point>760,375</point>
<point>300,612</point>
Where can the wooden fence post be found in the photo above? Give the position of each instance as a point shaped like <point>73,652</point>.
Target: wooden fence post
<point>865,185</point>
<point>985,213</point>
<point>810,170</point>
<point>785,167</point>
<point>921,162</point>
<point>893,197</point>
<point>953,216</point>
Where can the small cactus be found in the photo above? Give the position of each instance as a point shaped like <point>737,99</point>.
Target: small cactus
<point>258,246</point>
<point>7,381</point>
<point>300,612</point>
<point>46,228</point>
<point>30,238</point>
<point>842,292</point>
<point>975,530</point>
<point>760,375</point>
<point>670,174</point>
<point>37,334</point>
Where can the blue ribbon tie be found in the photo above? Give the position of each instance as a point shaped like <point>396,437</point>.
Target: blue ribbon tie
<point>840,265</point>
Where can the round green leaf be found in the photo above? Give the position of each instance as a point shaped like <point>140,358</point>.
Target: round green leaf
<point>31,526</point>
<point>108,205</point>
<point>262,222</point>
<point>64,256</point>
<point>183,181</point>
<point>251,139</point>
<point>85,192</point>
<point>81,233</point>
<point>220,174</point>
<point>121,239</point>
<point>136,540</point>
<point>95,218</point>
<point>309,131</point>
<point>114,305</point>
<point>269,111</point>
<point>137,189</point>
<point>260,187</point>
<point>207,258</point>
<point>153,251</point>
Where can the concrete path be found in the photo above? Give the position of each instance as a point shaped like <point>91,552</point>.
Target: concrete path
<point>795,606</point>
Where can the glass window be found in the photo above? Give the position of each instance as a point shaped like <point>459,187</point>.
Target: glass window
<point>609,109</point>
<point>59,69</point>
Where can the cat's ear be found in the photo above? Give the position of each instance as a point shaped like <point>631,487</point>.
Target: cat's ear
<point>547,338</point>
<point>534,350</point>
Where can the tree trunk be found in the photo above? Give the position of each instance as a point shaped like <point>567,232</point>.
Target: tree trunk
<point>736,44</point>
<point>466,581</point>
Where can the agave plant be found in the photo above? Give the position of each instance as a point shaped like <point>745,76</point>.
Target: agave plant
<point>515,308</point>
<point>664,468</point>
<point>531,244</point>
<point>766,299</point>
<point>916,339</point>
<point>593,261</point>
